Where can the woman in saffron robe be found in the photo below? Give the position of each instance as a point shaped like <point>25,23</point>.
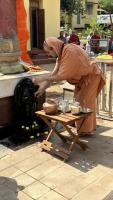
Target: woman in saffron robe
<point>74,66</point>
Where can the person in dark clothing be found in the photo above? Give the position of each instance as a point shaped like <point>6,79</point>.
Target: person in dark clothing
<point>110,47</point>
<point>94,42</point>
<point>62,37</point>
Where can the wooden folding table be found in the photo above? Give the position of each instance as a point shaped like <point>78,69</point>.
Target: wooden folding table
<point>66,119</point>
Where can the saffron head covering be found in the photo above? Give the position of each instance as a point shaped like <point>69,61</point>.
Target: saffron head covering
<point>55,43</point>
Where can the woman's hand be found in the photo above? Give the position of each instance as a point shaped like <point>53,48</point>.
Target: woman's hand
<point>42,87</point>
<point>40,91</point>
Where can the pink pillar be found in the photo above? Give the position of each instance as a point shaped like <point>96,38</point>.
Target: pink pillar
<point>9,45</point>
<point>8,22</point>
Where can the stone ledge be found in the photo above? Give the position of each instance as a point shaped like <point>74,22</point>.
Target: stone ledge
<point>8,82</point>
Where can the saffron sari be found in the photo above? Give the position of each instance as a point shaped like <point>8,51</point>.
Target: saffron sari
<point>75,67</point>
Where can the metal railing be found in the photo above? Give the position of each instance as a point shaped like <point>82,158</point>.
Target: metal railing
<point>99,46</point>
<point>105,99</point>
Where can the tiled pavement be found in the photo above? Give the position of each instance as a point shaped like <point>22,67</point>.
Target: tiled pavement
<point>30,174</point>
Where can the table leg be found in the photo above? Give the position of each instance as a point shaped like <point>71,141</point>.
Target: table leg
<point>52,128</point>
<point>49,146</point>
<point>103,67</point>
<point>75,139</point>
<point>49,135</point>
<point>111,93</point>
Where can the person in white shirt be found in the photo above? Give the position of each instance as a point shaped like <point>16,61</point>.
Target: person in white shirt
<point>89,37</point>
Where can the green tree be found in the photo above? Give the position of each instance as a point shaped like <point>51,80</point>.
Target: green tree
<point>108,6</point>
<point>70,7</point>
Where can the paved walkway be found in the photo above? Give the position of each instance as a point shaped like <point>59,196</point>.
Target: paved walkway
<point>26,173</point>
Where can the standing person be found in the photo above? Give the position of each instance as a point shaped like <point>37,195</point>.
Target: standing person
<point>88,48</point>
<point>67,36</point>
<point>110,46</point>
<point>74,66</point>
<point>74,38</point>
<point>62,37</point>
<point>94,42</point>
<point>88,45</point>
<point>89,37</point>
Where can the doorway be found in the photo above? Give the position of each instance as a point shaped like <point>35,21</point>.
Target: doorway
<point>37,25</point>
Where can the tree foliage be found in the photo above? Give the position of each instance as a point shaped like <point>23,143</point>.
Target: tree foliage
<point>107,5</point>
<point>72,6</point>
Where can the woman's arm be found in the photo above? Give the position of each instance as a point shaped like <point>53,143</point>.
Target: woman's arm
<point>48,78</point>
<point>56,68</point>
<point>51,77</point>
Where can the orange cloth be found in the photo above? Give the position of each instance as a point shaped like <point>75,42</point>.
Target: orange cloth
<point>23,33</point>
<point>76,68</point>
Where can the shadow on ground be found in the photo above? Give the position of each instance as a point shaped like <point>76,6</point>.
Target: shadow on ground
<point>9,188</point>
<point>100,151</point>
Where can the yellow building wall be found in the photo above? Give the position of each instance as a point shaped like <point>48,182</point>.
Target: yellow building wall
<point>86,19</point>
<point>52,17</point>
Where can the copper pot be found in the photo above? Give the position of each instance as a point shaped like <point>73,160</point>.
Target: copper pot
<point>50,107</point>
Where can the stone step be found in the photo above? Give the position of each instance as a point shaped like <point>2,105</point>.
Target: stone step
<point>43,61</point>
<point>41,57</point>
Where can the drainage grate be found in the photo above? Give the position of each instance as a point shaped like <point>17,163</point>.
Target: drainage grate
<point>109,196</point>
